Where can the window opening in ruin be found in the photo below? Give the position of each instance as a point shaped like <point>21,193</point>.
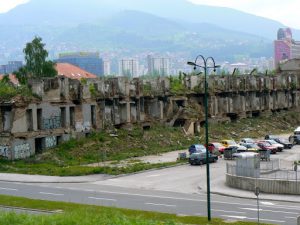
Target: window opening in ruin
<point>180,103</point>
<point>72,117</point>
<point>40,119</point>
<point>38,145</point>
<point>93,115</point>
<point>179,123</point>
<point>233,116</point>
<point>63,117</point>
<point>59,139</point>
<point>29,120</point>
<point>6,118</point>
<point>256,114</point>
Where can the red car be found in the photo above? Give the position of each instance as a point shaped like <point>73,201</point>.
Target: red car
<point>216,146</point>
<point>267,146</point>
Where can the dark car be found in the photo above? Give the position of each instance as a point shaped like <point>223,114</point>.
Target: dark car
<point>199,158</point>
<point>196,148</point>
<point>285,142</point>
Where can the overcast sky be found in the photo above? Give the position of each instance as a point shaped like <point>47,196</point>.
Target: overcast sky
<point>284,11</point>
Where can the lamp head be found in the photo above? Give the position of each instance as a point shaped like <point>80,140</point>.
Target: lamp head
<point>191,64</point>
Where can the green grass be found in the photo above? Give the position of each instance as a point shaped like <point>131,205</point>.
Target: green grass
<point>73,214</point>
<point>71,158</point>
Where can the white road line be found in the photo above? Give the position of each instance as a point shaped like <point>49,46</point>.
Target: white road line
<point>220,210</point>
<point>149,203</point>
<point>8,189</point>
<point>267,203</point>
<point>235,217</point>
<point>251,209</point>
<point>244,217</point>
<point>154,175</point>
<point>105,199</point>
<point>289,217</point>
<point>267,210</point>
<point>47,193</point>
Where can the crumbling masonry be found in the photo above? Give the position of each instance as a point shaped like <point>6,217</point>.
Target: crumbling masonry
<point>69,108</point>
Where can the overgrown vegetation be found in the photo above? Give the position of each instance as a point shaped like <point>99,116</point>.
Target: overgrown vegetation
<point>8,91</point>
<point>93,215</point>
<point>176,85</point>
<point>73,157</point>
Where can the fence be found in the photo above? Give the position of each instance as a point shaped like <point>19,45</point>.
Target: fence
<point>267,170</point>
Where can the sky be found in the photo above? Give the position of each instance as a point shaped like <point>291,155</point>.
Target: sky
<point>284,11</point>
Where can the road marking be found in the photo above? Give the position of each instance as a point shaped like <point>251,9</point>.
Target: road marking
<point>244,217</point>
<point>235,217</point>
<point>267,203</point>
<point>289,217</point>
<point>47,193</point>
<point>220,210</point>
<point>8,189</point>
<point>251,209</point>
<point>105,199</point>
<point>154,175</point>
<point>149,203</point>
<point>267,210</point>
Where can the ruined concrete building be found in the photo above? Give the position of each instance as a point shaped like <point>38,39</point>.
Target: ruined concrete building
<point>70,108</point>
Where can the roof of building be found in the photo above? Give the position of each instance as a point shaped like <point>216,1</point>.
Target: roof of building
<point>72,72</point>
<point>12,79</point>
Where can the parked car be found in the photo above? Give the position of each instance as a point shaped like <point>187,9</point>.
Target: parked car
<point>199,158</point>
<point>232,143</point>
<point>285,142</point>
<point>247,141</point>
<point>251,147</point>
<point>216,146</point>
<point>279,147</point>
<point>197,148</point>
<point>267,146</point>
<point>295,138</point>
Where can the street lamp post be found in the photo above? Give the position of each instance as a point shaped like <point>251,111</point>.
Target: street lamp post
<point>205,66</point>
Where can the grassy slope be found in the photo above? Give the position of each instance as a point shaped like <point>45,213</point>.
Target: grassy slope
<point>71,157</point>
<point>92,215</point>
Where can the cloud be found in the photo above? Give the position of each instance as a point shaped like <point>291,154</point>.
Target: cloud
<point>286,11</point>
<point>6,5</point>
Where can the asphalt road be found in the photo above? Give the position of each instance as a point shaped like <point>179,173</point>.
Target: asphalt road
<point>161,201</point>
<point>178,190</point>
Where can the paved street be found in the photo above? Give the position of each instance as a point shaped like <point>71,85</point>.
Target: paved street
<point>180,190</point>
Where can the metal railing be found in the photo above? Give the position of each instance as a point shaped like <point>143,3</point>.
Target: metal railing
<point>267,170</point>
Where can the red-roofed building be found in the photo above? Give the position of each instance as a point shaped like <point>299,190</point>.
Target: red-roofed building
<point>72,72</point>
<point>12,79</point>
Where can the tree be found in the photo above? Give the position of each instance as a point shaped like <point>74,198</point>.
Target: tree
<point>36,63</point>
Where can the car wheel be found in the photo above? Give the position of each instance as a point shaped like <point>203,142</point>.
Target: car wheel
<point>200,162</point>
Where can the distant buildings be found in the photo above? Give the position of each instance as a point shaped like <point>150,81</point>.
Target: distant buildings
<point>106,67</point>
<point>129,68</point>
<point>11,67</point>
<point>285,47</point>
<point>158,66</point>
<point>89,61</point>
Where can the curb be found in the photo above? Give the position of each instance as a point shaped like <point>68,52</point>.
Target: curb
<point>30,209</point>
<point>90,181</point>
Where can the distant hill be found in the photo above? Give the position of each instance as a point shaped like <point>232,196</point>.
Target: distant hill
<point>132,26</point>
<point>38,12</point>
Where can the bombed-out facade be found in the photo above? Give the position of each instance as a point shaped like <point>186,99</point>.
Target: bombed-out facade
<point>68,108</point>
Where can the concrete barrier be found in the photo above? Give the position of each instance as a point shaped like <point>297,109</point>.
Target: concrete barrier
<point>271,186</point>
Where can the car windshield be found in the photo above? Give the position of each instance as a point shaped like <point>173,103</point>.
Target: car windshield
<point>272,142</point>
<point>217,145</point>
<point>248,140</point>
<point>252,146</point>
<point>231,142</point>
<point>266,144</point>
<point>200,147</point>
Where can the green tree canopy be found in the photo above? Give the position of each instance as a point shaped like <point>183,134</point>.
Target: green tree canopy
<point>36,63</point>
